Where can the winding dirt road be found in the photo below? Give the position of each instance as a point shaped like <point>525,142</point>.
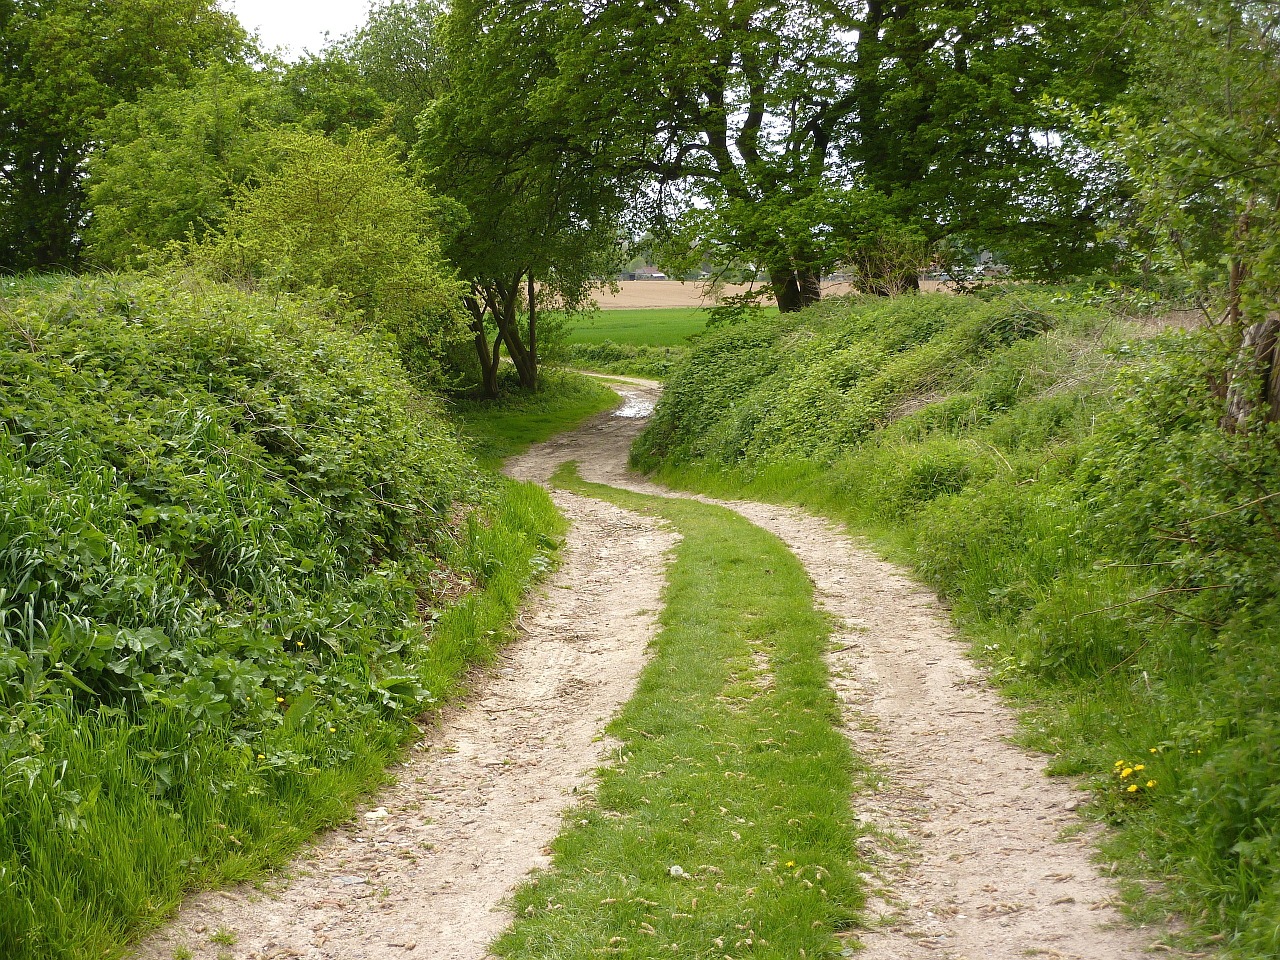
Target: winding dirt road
<point>423,872</point>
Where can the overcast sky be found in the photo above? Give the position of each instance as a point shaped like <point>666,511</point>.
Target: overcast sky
<point>298,24</point>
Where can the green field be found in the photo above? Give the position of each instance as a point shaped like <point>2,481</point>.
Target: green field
<point>657,327</point>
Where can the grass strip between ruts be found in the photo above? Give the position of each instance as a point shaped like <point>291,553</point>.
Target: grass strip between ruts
<point>723,826</point>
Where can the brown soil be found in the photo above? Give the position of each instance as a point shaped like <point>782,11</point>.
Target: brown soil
<point>639,294</point>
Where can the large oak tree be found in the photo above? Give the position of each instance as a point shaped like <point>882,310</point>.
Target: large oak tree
<point>802,131</point>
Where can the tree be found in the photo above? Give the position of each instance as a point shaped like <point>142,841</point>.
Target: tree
<point>346,219</point>
<point>541,197</point>
<point>1200,139</point>
<point>171,162</point>
<point>804,126</point>
<point>65,63</point>
<point>399,56</point>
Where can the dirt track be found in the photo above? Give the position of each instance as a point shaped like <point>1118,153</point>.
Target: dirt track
<point>423,872</point>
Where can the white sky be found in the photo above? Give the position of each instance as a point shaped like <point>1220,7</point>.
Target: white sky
<point>298,25</point>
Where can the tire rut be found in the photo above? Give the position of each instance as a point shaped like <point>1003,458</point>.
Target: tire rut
<point>988,872</point>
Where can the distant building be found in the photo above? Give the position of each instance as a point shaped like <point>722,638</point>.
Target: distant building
<point>647,273</point>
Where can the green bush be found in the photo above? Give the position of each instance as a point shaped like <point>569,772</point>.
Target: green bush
<point>227,532</point>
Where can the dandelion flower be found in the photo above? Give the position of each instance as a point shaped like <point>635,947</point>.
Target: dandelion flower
<point>791,863</point>
<point>1133,788</point>
<point>1141,766</point>
<point>262,756</point>
<point>1150,783</point>
<point>1119,763</point>
<point>279,699</point>
<point>1126,771</point>
<point>1152,750</point>
<point>333,729</point>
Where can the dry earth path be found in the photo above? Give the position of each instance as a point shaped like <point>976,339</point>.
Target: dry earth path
<point>987,873</point>
<point>424,871</point>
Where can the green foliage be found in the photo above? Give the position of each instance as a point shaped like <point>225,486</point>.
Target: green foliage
<point>801,135</point>
<point>772,388</point>
<point>1111,550</point>
<point>509,425</point>
<point>623,359</point>
<point>65,63</point>
<point>542,198</point>
<point>399,56</point>
<point>223,521</point>
<point>1195,137</point>
<point>172,162</point>
<point>347,219</point>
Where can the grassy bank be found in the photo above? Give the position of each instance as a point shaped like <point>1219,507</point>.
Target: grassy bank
<point>723,827</point>
<point>239,557</point>
<point>1063,481</point>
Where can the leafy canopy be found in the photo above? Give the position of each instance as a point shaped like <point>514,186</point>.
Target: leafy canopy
<point>64,64</point>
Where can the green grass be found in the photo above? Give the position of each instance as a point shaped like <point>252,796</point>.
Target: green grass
<point>731,767</point>
<point>658,327</point>
<point>502,428</point>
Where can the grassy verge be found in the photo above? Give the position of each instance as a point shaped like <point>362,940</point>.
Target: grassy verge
<point>1109,550</point>
<point>628,360</point>
<point>724,827</point>
<point>502,428</point>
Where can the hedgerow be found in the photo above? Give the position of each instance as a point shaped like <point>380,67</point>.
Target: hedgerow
<point>1065,482</point>
<point>227,526</point>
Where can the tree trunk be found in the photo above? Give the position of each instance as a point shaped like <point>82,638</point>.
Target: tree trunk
<point>489,359</point>
<point>795,289</point>
<point>1254,381</point>
<point>508,317</point>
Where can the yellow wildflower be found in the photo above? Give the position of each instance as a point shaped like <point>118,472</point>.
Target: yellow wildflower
<point>1126,771</point>
<point>1133,788</point>
<point>1151,783</point>
<point>1140,766</point>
